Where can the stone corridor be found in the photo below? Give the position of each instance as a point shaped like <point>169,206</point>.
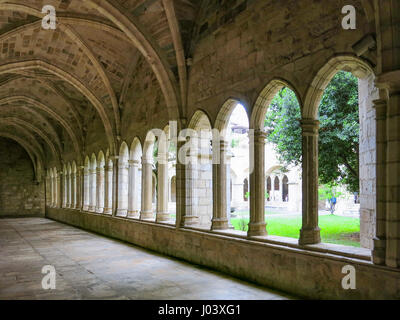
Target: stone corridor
<point>90,266</point>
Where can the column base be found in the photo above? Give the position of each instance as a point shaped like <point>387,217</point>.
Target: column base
<point>257,229</point>
<point>379,252</point>
<point>92,209</point>
<point>134,214</point>
<point>146,215</point>
<point>310,236</point>
<point>85,208</point>
<point>162,217</point>
<point>99,210</point>
<point>219,224</point>
<point>108,211</point>
<point>187,221</point>
<point>122,212</point>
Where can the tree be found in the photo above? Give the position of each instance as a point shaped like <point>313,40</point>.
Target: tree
<point>338,134</point>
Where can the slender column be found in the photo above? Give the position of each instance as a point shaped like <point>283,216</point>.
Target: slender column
<point>115,189</point>
<point>181,200</point>
<point>220,188</point>
<point>79,187</point>
<point>310,232</point>
<point>379,251</point>
<point>257,225</point>
<point>74,191</point>
<point>147,183</point>
<point>123,185</point>
<point>64,189</point>
<point>190,214</point>
<point>100,190</point>
<point>162,189</point>
<point>108,189</point>
<point>93,177</point>
<point>133,205</point>
<point>86,189</point>
<point>58,190</point>
<point>69,193</point>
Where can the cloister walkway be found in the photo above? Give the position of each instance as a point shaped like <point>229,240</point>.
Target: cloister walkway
<point>89,266</point>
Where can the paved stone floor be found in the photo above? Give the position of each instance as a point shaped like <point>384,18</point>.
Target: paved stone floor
<point>90,266</point>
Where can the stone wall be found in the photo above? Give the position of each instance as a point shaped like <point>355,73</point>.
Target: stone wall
<point>298,270</point>
<point>367,94</point>
<point>20,194</point>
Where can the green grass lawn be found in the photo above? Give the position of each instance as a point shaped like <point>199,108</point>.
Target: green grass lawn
<point>334,229</point>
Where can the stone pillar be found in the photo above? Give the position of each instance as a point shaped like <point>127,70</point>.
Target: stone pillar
<point>123,185</point>
<point>310,232</point>
<point>108,194</point>
<point>190,215</point>
<point>390,84</point>
<point>92,190</point>
<point>100,190</point>
<point>393,180</point>
<point>162,189</point>
<point>74,191</point>
<point>379,250</point>
<point>64,188</point>
<point>58,190</point>
<point>86,189</point>
<point>220,187</point>
<point>133,205</point>
<point>80,188</point>
<point>69,192</point>
<point>257,225</point>
<point>147,183</point>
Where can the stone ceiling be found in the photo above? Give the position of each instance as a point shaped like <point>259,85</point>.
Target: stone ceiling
<point>50,80</point>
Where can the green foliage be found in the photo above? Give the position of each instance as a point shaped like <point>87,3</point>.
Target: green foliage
<point>247,195</point>
<point>338,134</point>
<point>327,191</point>
<point>334,229</point>
<point>234,143</point>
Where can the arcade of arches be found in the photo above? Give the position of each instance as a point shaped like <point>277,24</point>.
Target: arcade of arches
<point>96,115</point>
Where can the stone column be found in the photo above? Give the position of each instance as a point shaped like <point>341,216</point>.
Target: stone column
<point>190,215</point>
<point>115,181</point>
<point>147,183</point>
<point>58,190</point>
<point>390,85</point>
<point>162,189</point>
<point>92,190</point>
<point>379,250</point>
<point>257,225</point>
<point>64,188</point>
<point>133,206</point>
<point>220,187</point>
<point>123,185</point>
<point>86,189</point>
<point>74,191</point>
<point>80,186</point>
<point>100,190</point>
<point>108,189</point>
<point>310,232</point>
<point>69,193</point>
